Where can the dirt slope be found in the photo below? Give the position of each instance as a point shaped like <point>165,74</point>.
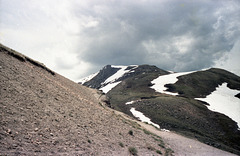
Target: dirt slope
<point>43,113</point>
<point>182,146</point>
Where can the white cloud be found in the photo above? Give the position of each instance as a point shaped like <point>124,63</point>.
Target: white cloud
<point>77,38</point>
<point>231,61</point>
<point>46,32</point>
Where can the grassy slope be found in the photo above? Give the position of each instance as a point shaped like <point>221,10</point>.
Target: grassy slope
<point>181,114</point>
<point>205,82</point>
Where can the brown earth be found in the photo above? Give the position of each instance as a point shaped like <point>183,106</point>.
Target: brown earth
<point>43,113</point>
<point>182,146</point>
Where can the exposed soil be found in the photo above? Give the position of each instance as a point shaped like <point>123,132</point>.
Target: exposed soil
<point>182,146</point>
<point>42,113</point>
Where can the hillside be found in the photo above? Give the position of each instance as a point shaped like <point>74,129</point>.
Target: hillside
<point>205,82</point>
<point>182,113</point>
<point>43,113</point>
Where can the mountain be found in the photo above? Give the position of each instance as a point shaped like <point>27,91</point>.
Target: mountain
<point>44,113</point>
<point>110,76</point>
<point>176,101</point>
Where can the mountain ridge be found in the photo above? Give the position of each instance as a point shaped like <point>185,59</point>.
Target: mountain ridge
<point>182,113</point>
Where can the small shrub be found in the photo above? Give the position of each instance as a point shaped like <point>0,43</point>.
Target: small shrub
<point>159,152</point>
<point>151,148</point>
<point>146,132</point>
<point>89,141</point>
<point>161,145</point>
<point>132,150</point>
<point>70,114</point>
<point>121,144</point>
<point>130,132</point>
<point>169,152</point>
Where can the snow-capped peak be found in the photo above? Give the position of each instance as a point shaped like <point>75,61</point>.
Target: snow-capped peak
<point>111,82</point>
<point>118,74</point>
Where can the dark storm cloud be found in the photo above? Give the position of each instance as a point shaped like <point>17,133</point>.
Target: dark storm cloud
<point>77,38</point>
<point>175,35</point>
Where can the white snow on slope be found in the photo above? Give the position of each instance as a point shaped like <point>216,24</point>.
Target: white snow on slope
<point>88,78</point>
<point>166,79</point>
<point>108,87</point>
<point>130,102</point>
<point>111,80</point>
<point>142,117</point>
<point>222,100</point>
<point>118,74</point>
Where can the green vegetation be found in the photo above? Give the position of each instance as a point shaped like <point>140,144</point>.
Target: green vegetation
<point>161,143</point>
<point>150,148</point>
<point>159,152</point>
<point>182,114</point>
<point>168,152</point>
<point>146,132</point>
<point>130,132</point>
<point>204,81</point>
<point>132,150</point>
<point>121,144</point>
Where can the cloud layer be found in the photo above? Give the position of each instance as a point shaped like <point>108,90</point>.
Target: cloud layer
<point>78,38</point>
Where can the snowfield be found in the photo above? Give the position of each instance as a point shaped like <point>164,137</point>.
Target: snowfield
<point>158,83</point>
<point>108,87</point>
<point>118,74</point>
<point>223,100</point>
<point>142,117</point>
<point>111,81</point>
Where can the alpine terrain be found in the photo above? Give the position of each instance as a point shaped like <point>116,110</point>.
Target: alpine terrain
<point>43,113</point>
<point>202,105</point>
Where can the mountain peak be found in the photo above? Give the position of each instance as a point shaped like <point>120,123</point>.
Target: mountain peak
<point>111,75</point>
<point>182,102</point>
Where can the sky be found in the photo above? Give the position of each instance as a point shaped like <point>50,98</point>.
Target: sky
<point>77,38</point>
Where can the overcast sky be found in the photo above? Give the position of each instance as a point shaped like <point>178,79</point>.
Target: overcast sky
<point>77,38</point>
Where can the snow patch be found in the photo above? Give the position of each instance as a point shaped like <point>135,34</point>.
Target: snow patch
<point>223,100</point>
<point>118,74</point>
<point>142,117</point>
<point>88,78</point>
<point>109,86</point>
<point>129,103</point>
<point>158,83</point>
<point>165,130</point>
<point>111,81</point>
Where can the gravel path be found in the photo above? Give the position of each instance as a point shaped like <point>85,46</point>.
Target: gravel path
<point>182,146</point>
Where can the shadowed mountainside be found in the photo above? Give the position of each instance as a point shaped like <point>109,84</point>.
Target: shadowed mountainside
<point>182,114</point>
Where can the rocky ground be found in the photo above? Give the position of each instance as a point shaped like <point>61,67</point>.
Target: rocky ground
<point>182,146</point>
<point>43,113</point>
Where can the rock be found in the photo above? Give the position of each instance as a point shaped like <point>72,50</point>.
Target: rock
<point>9,131</point>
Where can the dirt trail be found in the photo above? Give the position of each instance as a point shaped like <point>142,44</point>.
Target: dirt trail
<point>182,146</point>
